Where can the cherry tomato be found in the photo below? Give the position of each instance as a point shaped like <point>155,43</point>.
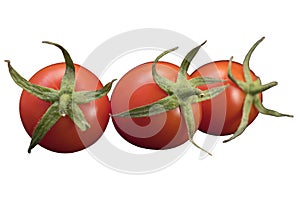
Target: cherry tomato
<point>64,136</point>
<point>137,88</point>
<point>222,114</point>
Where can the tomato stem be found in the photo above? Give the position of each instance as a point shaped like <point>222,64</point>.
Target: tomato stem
<point>64,104</point>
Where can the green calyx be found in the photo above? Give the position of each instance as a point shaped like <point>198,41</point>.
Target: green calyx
<point>252,89</point>
<point>182,93</point>
<point>64,102</point>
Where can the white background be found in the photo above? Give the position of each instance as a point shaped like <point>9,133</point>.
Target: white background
<point>262,164</point>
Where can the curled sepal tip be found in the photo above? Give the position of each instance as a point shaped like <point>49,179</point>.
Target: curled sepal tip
<point>43,93</point>
<point>68,81</point>
<point>187,61</point>
<point>258,104</point>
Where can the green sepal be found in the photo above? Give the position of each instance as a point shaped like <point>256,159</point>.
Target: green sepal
<point>164,83</point>
<point>187,112</point>
<point>208,94</point>
<point>247,72</point>
<point>68,81</point>
<point>50,117</point>
<point>78,117</point>
<point>187,61</point>
<point>197,81</point>
<point>245,116</point>
<point>239,83</point>
<point>43,93</point>
<point>82,97</point>
<point>160,106</point>
<point>170,102</point>
<point>259,106</point>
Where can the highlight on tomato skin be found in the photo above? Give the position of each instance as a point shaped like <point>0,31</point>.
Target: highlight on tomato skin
<point>137,88</point>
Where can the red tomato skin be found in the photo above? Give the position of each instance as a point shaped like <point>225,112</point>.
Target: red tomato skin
<point>64,136</point>
<point>137,88</point>
<point>222,114</point>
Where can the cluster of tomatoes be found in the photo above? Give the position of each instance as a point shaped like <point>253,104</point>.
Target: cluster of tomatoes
<point>162,108</point>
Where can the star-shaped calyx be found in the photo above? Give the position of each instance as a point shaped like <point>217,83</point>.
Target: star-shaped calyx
<point>252,90</point>
<point>182,93</point>
<point>64,102</point>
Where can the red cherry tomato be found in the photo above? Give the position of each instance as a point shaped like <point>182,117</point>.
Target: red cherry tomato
<point>222,114</point>
<point>64,136</point>
<point>137,88</point>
